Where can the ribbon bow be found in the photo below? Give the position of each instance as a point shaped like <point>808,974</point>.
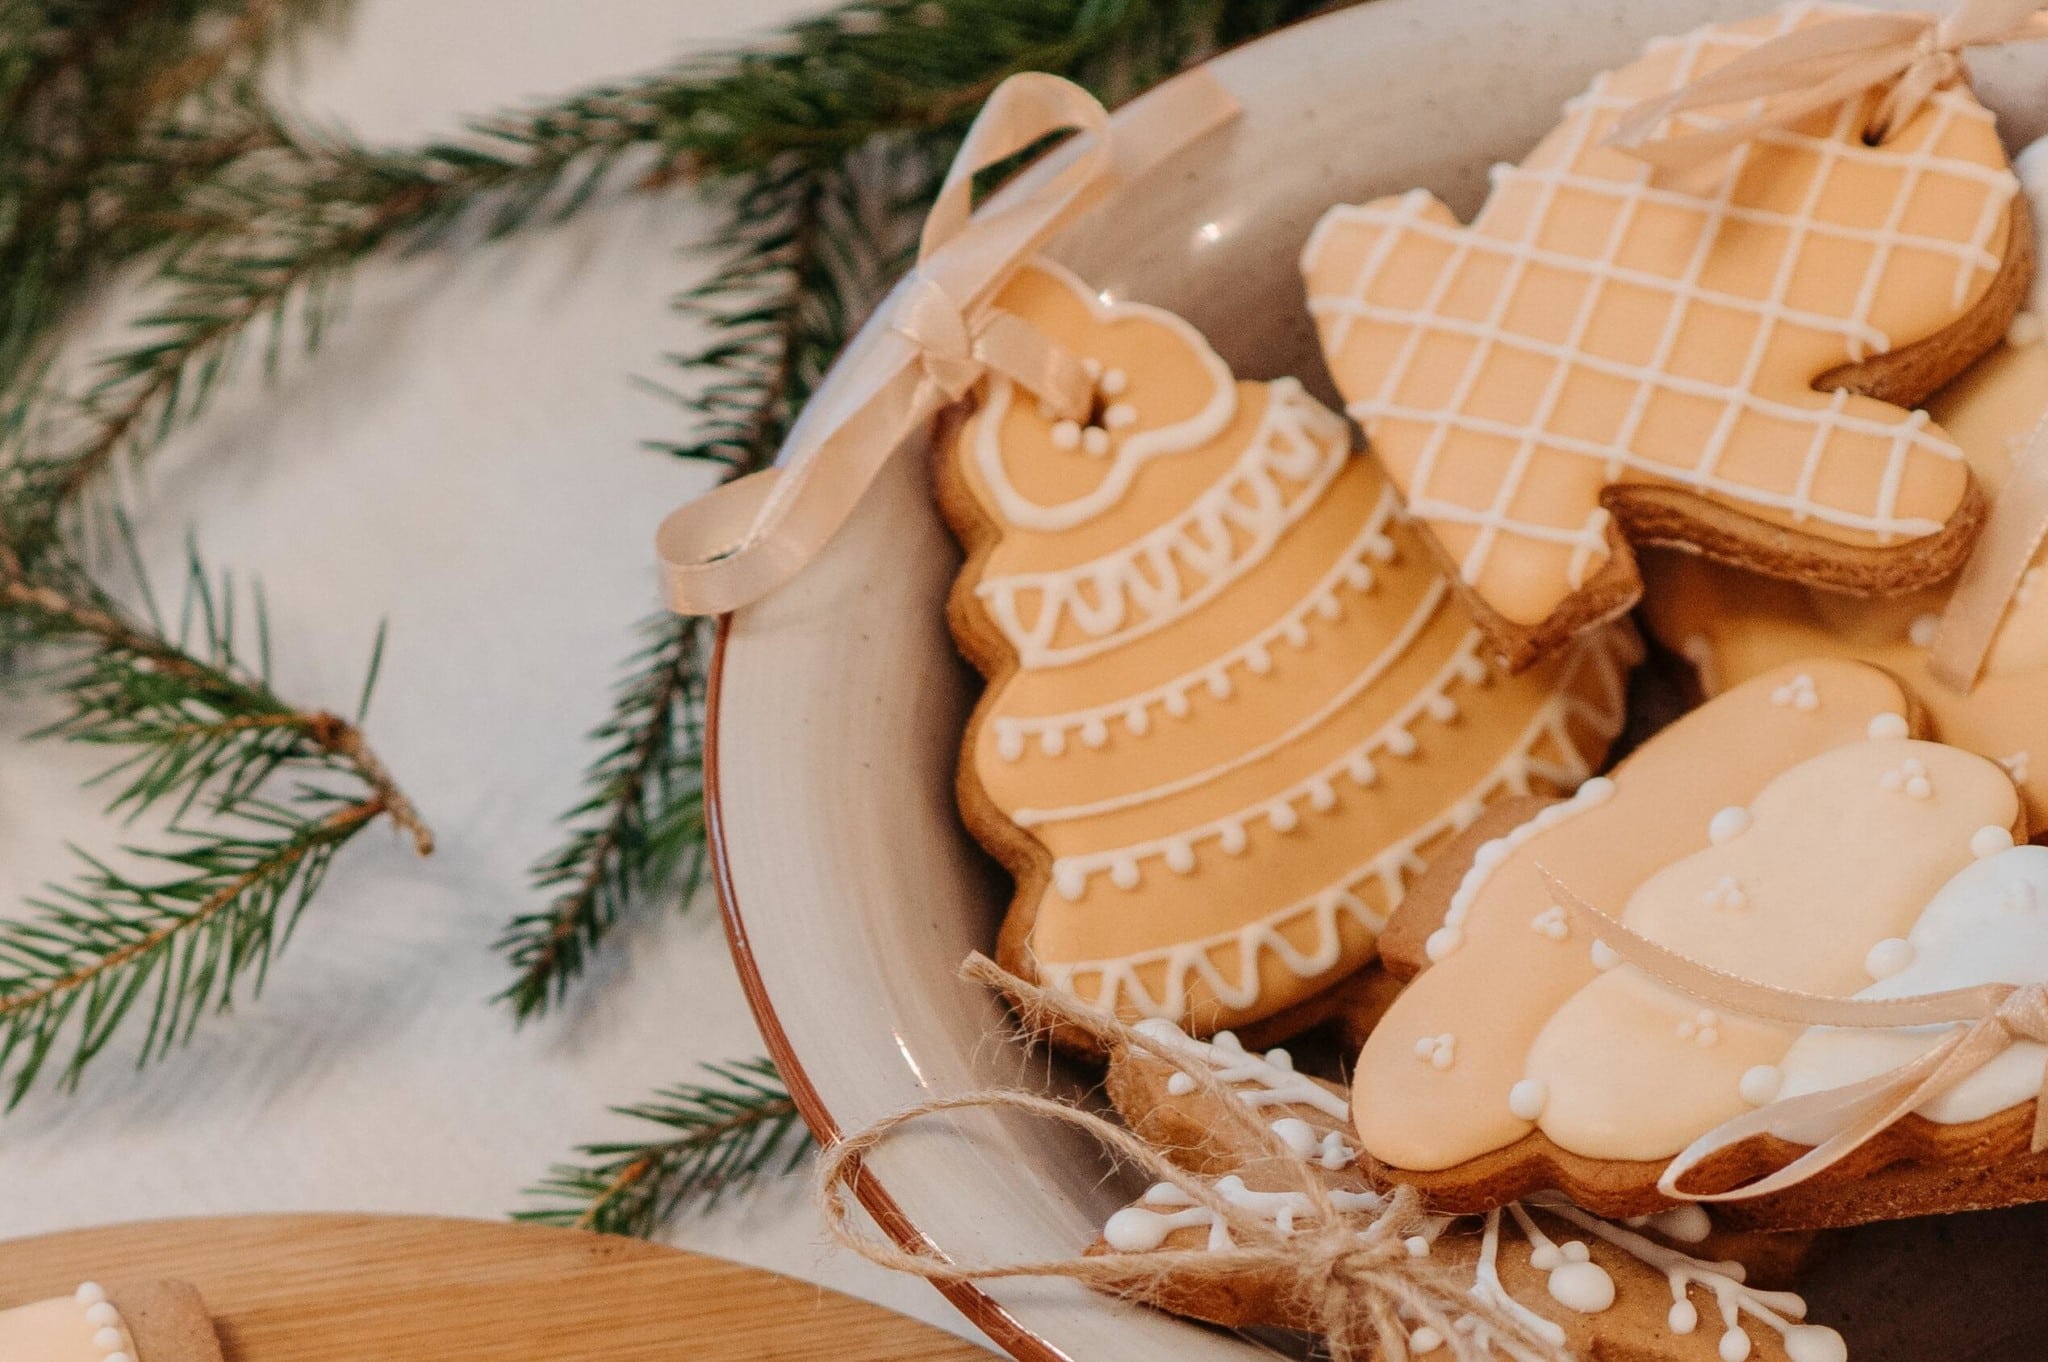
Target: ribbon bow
<point>1991,1016</point>
<point>1908,55</point>
<point>744,540</point>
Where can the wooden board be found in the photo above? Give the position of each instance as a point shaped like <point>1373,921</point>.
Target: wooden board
<point>322,1288</point>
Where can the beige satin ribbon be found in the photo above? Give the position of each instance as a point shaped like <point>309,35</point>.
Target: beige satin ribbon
<point>1985,587</point>
<point>1909,55</point>
<point>746,539</point>
<point>1991,1016</point>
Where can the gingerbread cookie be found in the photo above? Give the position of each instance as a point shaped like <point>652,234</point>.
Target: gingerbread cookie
<point>1722,358</point>
<point>1521,1061</point>
<point>1233,707</point>
<point>1731,625</point>
<point>1672,1288</point>
<point>141,1322</point>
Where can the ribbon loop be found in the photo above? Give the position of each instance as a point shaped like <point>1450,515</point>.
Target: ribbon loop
<point>1836,1122</point>
<point>1909,56</point>
<point>745,540</point>
<point>1990,578</point>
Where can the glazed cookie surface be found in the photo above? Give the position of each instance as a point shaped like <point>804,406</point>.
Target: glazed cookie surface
<point>1722,357</point>
<point>1524,1057</point>
<point>1232,705</point>
<point>1730,625</point>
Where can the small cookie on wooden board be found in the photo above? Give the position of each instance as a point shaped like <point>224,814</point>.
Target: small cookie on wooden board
<point>1723,359</point>
<point>1730,625</point>
<point>1674,1289</point>
<point>1232,706</point>
<point>1545,1070</point>
<point>132,1321</point>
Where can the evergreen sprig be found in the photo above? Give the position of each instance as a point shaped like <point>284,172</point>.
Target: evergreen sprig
<point>259,796</point>
<point>715,1137</point>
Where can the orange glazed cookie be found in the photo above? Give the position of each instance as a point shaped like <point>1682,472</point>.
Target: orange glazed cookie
<point>1785,832</point>
<point>1232,704</point>
<point>1674,1288</point>
<point>138,1322</point>
<point>1720,358</point>
<point>1730,625</point>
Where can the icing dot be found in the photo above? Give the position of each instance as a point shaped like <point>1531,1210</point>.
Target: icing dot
<point>1417,1246</point>
<point>1442,708</point>
<point>1358,576</point>
<point>1551,923</point>
<point>102,1314</point>
<point>1095,440</point>
<point>1686,1030</point>
<point>1066,435</point>
<point>1887,726</point>
<point>1361,770</point>
<point>1136,721</point>
<point>1988,841</point>
<point>1472,671</point>
<point>1177,703</point>
<point>1181,1084</point>
<point>1799,693</point>
<point>1180,858</point>
<point>1439,1052</point>
<point>108,1340</point>
<point>1527,1098</point>
<point>1815,1343</point>
<point>1605,956</point>
<point>1425,1046</point>
<point>1094,733</point>
<point>1734,1346</point>
<point>1298,1135</point>
<point>1545,1257</point>
<point>1219,683</point>
<point>1683,1318</point>
<point>1726,895</point>
<point>1329,607</point>
<point>1232,839</point>
<point>1322,796</point>
<point>1259,660</point>
<point>1124,874</point>
<point>1424,1341</point>
<point>1707,1036</point>
<point>1381,548</point>
<point>1283,817</point>
<point>1442,942</point>
<point>1401,743</point>
<point>1922,632</point>
<point>1888,957</point>
<point>1091,365</point>
<point>1686,1224</point>
<point>1760,1083</point>
<point>1295,632</point>
<point>1009,742</point>
<point>2025,330</point>
<point>1728,824</point>
<point>1113,382</point>
<point>1069,879</point>
<point>1052,742</point>
<point>90,1293</point>
<point>1135,1230</point>
<point>1119,415</point>
<point>1582,1286</point>
<point>1917,787</point>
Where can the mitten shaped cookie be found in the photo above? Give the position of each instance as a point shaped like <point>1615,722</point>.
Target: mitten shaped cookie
<point>1731,625</point>
<point>1525,1058</point>
<point>1233,707</point>
<point>135,1322</point>
<point>1721,358</point>
<point>1676,1288</point>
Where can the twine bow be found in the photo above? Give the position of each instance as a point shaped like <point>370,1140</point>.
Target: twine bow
<point>744,540</point>
<point>1907,55</point>
<point>1991,1018</point>
<point>1353,1276</point>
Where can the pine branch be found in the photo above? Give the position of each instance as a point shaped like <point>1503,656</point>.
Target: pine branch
<point>727,1134</point>
<point>276,790</point>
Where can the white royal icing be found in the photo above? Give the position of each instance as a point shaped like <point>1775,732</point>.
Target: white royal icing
<point>1989,924</point>
<point>1447,938</point>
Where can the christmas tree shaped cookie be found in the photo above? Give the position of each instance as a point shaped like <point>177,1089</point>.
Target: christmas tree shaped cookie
<point>1722,358</point>
<point>1232,705</point>
<point>1731,625</point>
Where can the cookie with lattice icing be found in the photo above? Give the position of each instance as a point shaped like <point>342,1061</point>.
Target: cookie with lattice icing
<point>133,1322</point>
<point>1782,832</point>
<point>1676,1288</point>
<point>1730,625</point>
<point>1232,705</point>
<point>1722,358</point>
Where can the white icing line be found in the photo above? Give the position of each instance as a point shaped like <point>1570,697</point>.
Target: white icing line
<point>1370,542</point>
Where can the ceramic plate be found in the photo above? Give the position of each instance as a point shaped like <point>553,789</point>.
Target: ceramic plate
<point>851,890</point>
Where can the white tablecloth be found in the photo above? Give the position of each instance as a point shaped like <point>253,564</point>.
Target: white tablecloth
<point>462,458</point>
